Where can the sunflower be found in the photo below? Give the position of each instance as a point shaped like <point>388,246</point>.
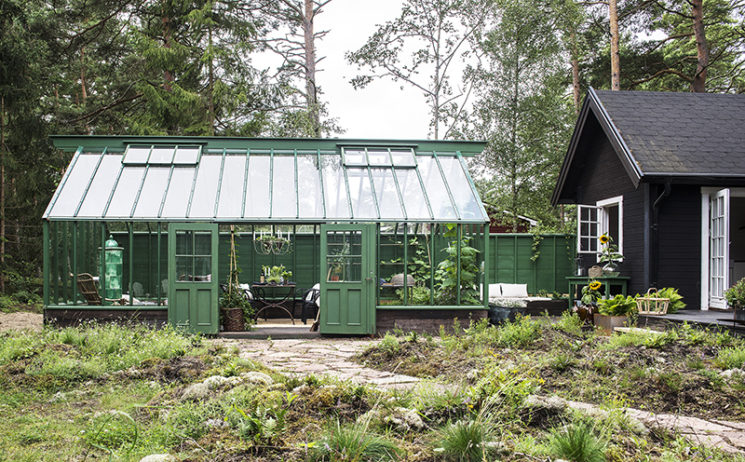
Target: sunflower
<point>604,239</point>
<point>595,285</point>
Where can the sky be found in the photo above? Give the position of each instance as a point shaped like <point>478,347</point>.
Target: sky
<point>382,109</point>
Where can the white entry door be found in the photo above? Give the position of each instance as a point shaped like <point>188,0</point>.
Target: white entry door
<point>718,248</point>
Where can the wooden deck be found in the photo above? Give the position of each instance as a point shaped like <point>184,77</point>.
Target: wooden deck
<point>711,319</point>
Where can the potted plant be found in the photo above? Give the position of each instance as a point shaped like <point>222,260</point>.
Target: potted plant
<point>609,255</point>
<point>735,297</point>
<point>235,308</point>
<point>276,274</point>
<point>614,312</point>
<point>587,305</point>
<point>336,262</point>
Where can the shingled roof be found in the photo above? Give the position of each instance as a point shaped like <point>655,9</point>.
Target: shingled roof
<point>665,134</point>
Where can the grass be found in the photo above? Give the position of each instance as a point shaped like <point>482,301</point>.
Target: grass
<point>351,443</point>
<point>577,442</point>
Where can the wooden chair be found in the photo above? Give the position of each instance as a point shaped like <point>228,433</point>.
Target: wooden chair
<point>87,288</point>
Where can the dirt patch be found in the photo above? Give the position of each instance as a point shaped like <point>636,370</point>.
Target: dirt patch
<point>21,320</point>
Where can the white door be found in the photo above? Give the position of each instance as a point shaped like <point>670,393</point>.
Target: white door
<point>718,248</point>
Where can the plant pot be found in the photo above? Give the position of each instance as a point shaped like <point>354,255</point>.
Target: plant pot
<point>502,314</point>
<point>232,319</point>
<point>608,323</point>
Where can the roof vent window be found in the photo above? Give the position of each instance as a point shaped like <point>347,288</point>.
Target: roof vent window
<point>161,155</point>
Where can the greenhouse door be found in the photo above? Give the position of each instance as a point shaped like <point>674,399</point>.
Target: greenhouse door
<point>192,276</point>
<point>347,279</point>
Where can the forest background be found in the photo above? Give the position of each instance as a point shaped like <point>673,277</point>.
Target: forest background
<point>510,72</point>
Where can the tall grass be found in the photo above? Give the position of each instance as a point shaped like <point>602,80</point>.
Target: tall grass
<point>577,442</point>
<point>353,443</point>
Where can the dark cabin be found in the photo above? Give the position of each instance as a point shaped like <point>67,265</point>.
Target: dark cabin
<point>664,175</point>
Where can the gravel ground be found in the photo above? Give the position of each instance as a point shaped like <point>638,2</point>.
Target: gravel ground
<point>21,320</point>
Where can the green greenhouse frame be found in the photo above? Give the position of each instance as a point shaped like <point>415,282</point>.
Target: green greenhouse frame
<point>393,231</point>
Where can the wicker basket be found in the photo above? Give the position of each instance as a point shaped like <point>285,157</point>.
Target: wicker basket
<point>232,319</point>
<point>652,304</point>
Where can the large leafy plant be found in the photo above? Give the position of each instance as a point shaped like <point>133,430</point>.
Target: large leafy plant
<point>446,275</point>
<point>620,305</point>
<point>676,300</point>
<point>735,295</point>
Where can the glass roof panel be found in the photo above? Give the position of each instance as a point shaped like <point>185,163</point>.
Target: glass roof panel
<point>77,181</point>
<point>231,188</point>
<point>100,190</point>
<point>309,187</point>
<point>156,180</point>
<point>378,157</point>
<point>136,154</point>
<point>460,188</point>
<point>257,196</point>
<point>360,193</point>
<point>354,157</point>
<point>411,191</point>
<point>161,155</point>
<point>435,189</point>
<point>205,189</point>
<point>177,197</point>
<point>334,189</point>
<point>403,157</point>
<point>385,191</point>
<point>186,155</point>
<point>284,198</point>
<point>126,191</point>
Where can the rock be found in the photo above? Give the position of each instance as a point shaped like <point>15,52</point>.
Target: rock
<point>257,378</point>
<point>158,458</point>
<point>197,391</point>
<point>404,419</point>
<point>369,417</point>
<point>734,373</point>
<point>216,423</point>
<point>473,375</point>
<point>553,403</point>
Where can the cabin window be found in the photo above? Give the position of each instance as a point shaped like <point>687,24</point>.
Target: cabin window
<point>606,216</point>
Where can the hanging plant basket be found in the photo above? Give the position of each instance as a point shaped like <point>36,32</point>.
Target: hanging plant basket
<point>265,245</point>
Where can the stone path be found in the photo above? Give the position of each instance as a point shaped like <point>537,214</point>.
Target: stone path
<point>331,357</point>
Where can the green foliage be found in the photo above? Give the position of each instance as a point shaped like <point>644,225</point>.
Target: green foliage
<point>112,431</point>
<point>676,300</point>
<point>569,323</point>
<point>466,440</point>
<point>389,345</point>
<point>577,442</point>
<point>418,295</point>
<point>446,274</point>
<point>735,295</point>
<point>518,334</point>
<point>730,358</point>
<point>355,442</point>
<point>619,305</point>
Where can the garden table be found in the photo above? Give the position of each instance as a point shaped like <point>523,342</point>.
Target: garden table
<point>612,285</point>
<point>259,291</point>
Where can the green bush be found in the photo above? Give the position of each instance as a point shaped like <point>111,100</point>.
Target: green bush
<point>578,443</point>
<point>735,295</point>
<point>676,300</point>
<point>619,305</point>
<point>389,345</point>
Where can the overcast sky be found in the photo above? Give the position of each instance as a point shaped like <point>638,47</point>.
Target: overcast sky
<point>382,109</point>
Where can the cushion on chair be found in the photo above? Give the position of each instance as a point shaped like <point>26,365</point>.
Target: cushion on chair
<point>514,290</point>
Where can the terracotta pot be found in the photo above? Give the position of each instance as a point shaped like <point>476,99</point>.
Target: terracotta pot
<point>608,323</point>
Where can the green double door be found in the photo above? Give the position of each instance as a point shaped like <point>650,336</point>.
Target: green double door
<point>192,277</point>
<point>348,279</point>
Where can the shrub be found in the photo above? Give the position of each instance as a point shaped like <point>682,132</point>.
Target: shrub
<point>520,333</point>
<point>735,295</point>
<point>353,443</point>
<point>731,358</point>
<point>577,442</point>
<point>676,300</point>
<point>617,306</point>
<point>389,345</point>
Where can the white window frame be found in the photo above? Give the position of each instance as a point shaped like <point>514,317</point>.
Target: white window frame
<point>589,236</point>
<point>603,218</point>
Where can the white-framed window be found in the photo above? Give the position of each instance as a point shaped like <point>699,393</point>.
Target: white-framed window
<point>605,217</point>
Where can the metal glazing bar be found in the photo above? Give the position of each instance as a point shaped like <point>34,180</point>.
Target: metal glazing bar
<point>297,189</point>
<point>406,264</point>
<point>320,176</point>
<point>294,253</point>
<point>398,193</point>
<point>424,193</point>
<point>131,262</point>
<point>139,191</point>
<point>66,263</point>
<point>158,285</point>
<point>245,185</point>
<point>63,181</point>
<point>447,185</point>
<point>390,156</point>
<point>464,166</point>
<point>372,190</point>
<point>90,182</point>
<point>191,194</point>
<point>149,154</point>
<point>45,261</point>
<point>485,275</point>
<point>165,193</point>
<point>75,263</point>
<point>349,194</point>
<point>219,183</point>
<point>271,183</point>
<point>113,190</point>
<point>101,262</point>
<point>54,261</point>
<point>458,234</point>
<point>379,253</point>
<point>432,234</point>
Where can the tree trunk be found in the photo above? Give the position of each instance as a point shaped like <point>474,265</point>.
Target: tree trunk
<point>211,90</point>
<point>167,75</point>
<point>702,48</point>
<point>311,92</point>
<point>2,194</point>
<point>615,61</point>
<point>575,72</point>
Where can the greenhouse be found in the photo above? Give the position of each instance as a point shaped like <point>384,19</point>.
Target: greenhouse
<point>393,232</point>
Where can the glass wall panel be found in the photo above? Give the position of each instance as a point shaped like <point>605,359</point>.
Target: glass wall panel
<point>156,180</point>
<point>334,189</point>
<point>231,189</point>
<point>72,193</point>
<point>136,154</point>
<point>360,193</point>
<point>378,157</point>
<point>411,191</point>
<point>354,157</point>
<point>186,155</point>
<point>205,189</point>
<point>284,198</point>
<point>257,196</point>
<point>161,155</point>
<point>344,256</point>
<point>460,188</point>
<point>403,157</point>
<point>177,197</point>
<point>387,194</point>
<point>100,190</point>
<point>126,192</point>
<point>309,187</point>
<point>442,208</point>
